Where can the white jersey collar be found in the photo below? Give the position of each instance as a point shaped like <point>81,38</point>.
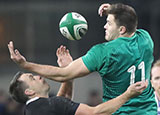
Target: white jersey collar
<point>31,100</point>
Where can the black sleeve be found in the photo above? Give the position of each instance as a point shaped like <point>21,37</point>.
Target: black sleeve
<point>64,105</point>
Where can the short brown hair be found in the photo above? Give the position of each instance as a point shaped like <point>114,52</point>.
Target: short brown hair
<point>124,16</point>
<point>157,63</point>
<point>17,89</point>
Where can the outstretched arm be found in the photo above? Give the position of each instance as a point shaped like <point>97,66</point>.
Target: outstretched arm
<point>113,105</point>
<point>75,69</point>
<point>64,58</point>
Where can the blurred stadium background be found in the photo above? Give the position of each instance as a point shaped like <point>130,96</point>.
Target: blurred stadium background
<point>33,25</point>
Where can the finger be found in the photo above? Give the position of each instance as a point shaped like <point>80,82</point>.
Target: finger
<point>141,85</point>
<point>11,44</point>
<point>19,56</point>
<point>11,49</point>
<point>67,52</point>
<point>57,52</point>
<point>146,83</point>
<point>63,51</point>
<point>17,53</point>
<point>103,8</point>
<point>141,89</point>
<point>61,46</point>
<point>60,50</point>
<point>100,10</point>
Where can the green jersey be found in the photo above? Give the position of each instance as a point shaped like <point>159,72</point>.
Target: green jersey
<point>120,63</point>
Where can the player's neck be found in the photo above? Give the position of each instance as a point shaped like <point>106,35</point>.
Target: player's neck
<point>41,95</point>
<point>44,96</point>
<point>127,35</point>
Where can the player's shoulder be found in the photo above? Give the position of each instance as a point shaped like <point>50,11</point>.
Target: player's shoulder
<point>98,46</point>
<point>51,99</point>
<point>143,32</point>
<point>145,36</point>
<point>59,98</point>
<point>103,45</point>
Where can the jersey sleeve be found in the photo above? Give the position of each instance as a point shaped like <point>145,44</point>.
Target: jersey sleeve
<point>90,59</point>
<point>97,57</point>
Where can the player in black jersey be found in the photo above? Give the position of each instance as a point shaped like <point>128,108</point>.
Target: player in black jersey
<point>33,90</point>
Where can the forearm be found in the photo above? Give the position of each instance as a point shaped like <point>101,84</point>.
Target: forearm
<point>66,89</point>
<point>111,106</point>
<point>50,72</point>
<point>114,104</point>
<point>73,70</point>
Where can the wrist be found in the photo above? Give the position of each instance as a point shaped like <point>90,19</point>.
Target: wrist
<point>23,64</point>
<point>127,95</point>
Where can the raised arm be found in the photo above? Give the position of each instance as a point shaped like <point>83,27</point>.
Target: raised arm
<point>113,105</point>
<point>73,70</point>
<point>64,58</point>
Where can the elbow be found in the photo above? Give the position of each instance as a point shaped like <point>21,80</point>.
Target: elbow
<point>96,111</point>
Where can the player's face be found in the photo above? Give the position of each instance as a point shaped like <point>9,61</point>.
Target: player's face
<point>111,28</point>
<point>35,83</point>
<point>156,78</point>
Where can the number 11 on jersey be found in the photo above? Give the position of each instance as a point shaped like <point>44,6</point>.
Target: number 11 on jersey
<point>132,70</point>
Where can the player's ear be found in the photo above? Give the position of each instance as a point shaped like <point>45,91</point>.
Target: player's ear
<point>29,92</point>
<point>122,30</point>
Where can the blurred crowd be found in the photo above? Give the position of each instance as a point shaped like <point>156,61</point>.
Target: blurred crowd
<point>8,106</point>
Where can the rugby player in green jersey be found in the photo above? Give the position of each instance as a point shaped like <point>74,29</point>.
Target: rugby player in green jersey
<point>124,60</point>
